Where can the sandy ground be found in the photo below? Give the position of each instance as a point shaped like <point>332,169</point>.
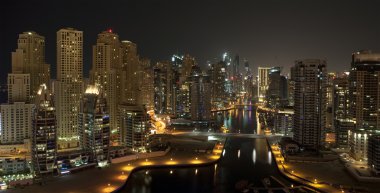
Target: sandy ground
<point>331,172</point>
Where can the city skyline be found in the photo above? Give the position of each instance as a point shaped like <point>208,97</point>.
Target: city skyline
<point>267,34</point>
<point>190,96</point>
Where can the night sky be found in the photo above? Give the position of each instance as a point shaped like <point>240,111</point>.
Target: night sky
<point>267,33</point>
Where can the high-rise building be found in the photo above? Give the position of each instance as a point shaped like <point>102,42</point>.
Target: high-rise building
<point>200,96</point>
<point>275,93</point>
<point>374,153</point>
<point>310,102</point>
<point>130,68</point>
<point>364,90</point>
<point>69,86</point>
<point>44,135</point>
<point>16,122</point>
<point>218,74</point>
<point>164,92</point>
<point>134,126</point>
<point>291,88</point>
<point>107,71</point>
<point>146,84</point>
<point>18,88</point>
<point>263,83</point>
<point>94,122</point>
<point>29,58</point>
<point>340,102</point>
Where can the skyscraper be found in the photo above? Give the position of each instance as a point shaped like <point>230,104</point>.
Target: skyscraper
<point>94,122</point>
<point>218,75</point>
<point>364,90</point>
<point>44,135</point>
<point>29,58</point>
<point>310,102</point>
<point>69,85</point>
<point>263,83</point>
<point>164,101</point>
<point>106,72</point>
<point>200,96</point>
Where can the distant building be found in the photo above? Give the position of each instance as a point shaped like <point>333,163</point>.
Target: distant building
<point>310,103</point>
<point>44,135</point>
<point>263,83</point>
<point>340,97</point>
<point>374,153</point>
<point>134,122</point>
<point>277,90</point>
<point>200,97</point>
<point>218,74</point>
<point>164,93</point>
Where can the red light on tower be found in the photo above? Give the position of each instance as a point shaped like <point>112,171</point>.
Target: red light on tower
<point>110,30</point>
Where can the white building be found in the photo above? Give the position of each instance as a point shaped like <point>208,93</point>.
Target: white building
<point>18,88</point>
<point>69,86</point>
<point>263,82</point>
<point>358,142</point>
<point>16,122</point>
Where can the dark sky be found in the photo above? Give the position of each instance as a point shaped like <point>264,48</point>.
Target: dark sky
<point>268,32</point>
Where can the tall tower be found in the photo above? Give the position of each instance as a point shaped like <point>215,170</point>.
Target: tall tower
<point>310,102</point>
<point>94,125</point>
<point>263,83</point>
<point>364,90</point>
<point>29,58</point>
<point>69,85</point>
<point>106,72</point>
<point>44,135</point>
<point>200,96</point>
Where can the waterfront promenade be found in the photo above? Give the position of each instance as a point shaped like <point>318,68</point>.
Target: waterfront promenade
<point>114,176</point>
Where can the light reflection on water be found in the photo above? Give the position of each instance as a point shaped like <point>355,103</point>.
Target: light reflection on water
<point>242,159</point>
<point>238,119</point>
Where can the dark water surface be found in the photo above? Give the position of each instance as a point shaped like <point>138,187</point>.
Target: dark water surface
<point>244,161</point>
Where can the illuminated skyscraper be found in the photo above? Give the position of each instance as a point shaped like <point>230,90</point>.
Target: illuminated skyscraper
<point>310,102</point>
<point>364,90</point>
<point>218,75</point>
<point>200,97</point>
<point>106,72</point>
<point>263,83</point>
<point>94,126</point>
<point>164,93</point>
<point>29,58</point>
<point>69,85</point>
<point>44,135</point>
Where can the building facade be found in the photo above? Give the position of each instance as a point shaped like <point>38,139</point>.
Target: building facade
<point>310,102</point>
<point>44,135</point>
<point>69,86</point>
<point>94,122</point>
